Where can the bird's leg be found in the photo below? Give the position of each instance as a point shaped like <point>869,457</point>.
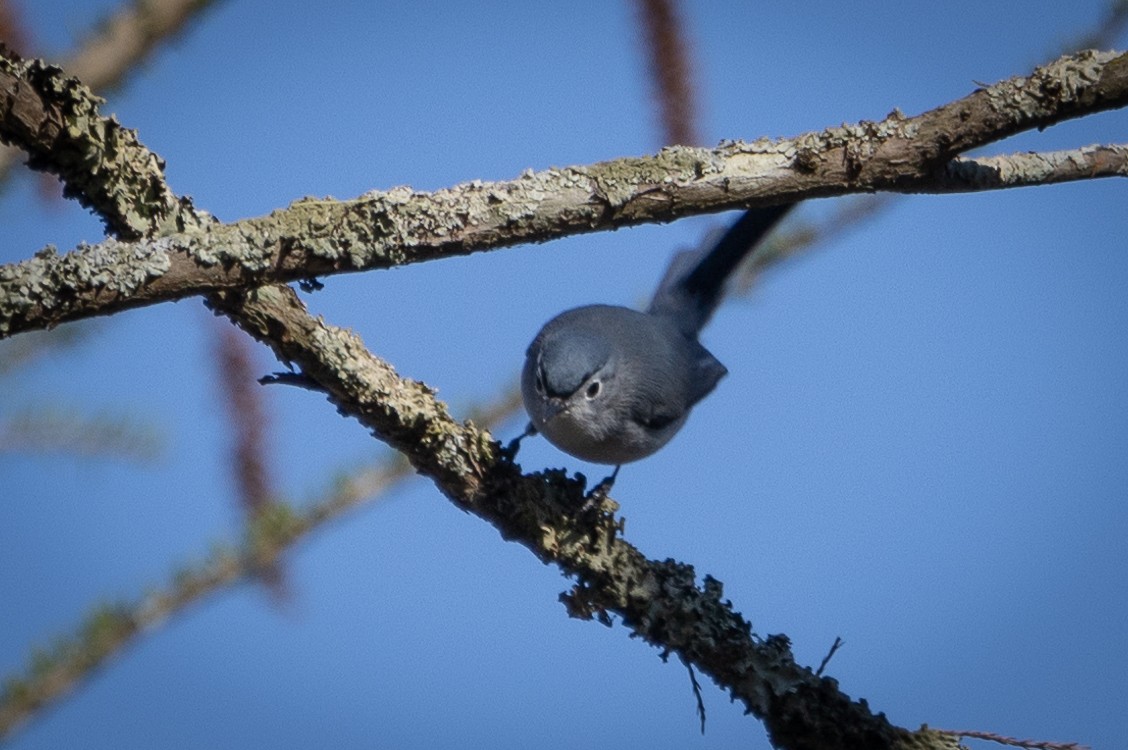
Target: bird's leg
<point>598,493</point>
<point>605,486</point>
<point>509,452</point>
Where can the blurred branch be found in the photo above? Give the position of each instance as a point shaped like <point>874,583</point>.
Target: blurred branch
<point>54,431</point>
<point>668,64</point>
<point>499,409</point>
<point>24,350</point>
<point>241,392</point>
<point>800,235</point>
<point>13,32</point>
<point>247,419</point>
<point>117,46</point>
<point>57,670</point>
<point>125,39</point>
<point>381,230</point>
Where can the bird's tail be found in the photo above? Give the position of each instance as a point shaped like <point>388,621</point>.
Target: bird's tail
<point>695,280</point>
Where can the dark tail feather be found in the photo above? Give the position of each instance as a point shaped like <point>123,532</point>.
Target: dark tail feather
<point>694,296</point>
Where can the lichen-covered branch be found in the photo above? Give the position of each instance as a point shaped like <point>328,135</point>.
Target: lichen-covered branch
<point>399,226</point>
<point>662,602</point>
<point>59,671</point>
<point>965,175</point>
<point>55,119</point>
<point>548,513</point>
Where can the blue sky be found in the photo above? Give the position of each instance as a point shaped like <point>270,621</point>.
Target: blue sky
<point>920,446</point>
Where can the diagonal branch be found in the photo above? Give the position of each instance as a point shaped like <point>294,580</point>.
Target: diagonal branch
<point>660,601</point>
<point>384,229</point>
<point>56,673</point>
<point>128,36</point>
<point>55,119</point>
<point>110,628</point>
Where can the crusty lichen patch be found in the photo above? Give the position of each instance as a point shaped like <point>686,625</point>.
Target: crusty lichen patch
<point>48,281</point>
<point>56,120</point>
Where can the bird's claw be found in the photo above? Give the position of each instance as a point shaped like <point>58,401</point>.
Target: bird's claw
<point>509,452</point>
<point>600,492</point>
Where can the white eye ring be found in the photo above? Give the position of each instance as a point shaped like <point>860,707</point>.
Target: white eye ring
<point>592,390</point>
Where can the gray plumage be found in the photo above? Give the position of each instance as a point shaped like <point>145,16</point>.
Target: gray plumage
<point>611,385</point>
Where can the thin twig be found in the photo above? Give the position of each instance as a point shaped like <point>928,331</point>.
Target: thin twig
<point>55,430</point>
<point>23,351</point>
<point>1012,742</point>
<point>838,643</point>
<point>111,628</point>
<point>696,693</point>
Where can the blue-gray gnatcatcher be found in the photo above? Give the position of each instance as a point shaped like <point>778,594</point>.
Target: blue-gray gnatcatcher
<point>612,385</point>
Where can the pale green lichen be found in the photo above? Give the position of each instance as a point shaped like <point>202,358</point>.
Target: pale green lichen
<point>618,182</point>
<point>48,281</point>
<point>101,163</point>
<point>1068,78</point>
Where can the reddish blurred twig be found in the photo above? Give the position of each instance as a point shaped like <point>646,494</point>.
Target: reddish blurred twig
<point>670,70</point>
<point>13,33</point>
<point>242,394</point>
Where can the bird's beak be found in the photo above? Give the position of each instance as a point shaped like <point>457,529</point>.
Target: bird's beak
<point>555,406</point>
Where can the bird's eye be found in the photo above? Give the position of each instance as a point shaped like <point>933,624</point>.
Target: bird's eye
<point>592,390</point>
<point>539,384</point>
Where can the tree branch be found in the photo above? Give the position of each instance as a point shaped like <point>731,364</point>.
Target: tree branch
<point>56,673</point>
<point>660,601</point>
<point>1022,170</point>
<point>669,68</point>
<point>55,120</point>
<point>55,429</point>
<point>384,229</point>
<point>127,37</point>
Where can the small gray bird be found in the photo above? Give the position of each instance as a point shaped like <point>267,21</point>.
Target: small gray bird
<point>612,385</point>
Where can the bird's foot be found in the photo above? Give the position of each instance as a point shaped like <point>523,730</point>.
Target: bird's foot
<point>600,491</point>
<point>509,452</point>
